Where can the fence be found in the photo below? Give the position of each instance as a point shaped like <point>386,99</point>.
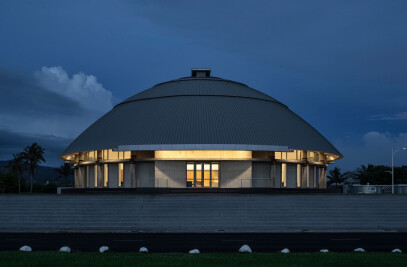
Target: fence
<point>375,189</point>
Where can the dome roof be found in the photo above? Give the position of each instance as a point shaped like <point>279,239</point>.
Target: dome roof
<point>201,113</point>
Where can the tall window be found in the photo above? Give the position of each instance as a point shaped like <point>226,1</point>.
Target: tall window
<point>190,174</point>
<point>202,174</point>
<point>215,174</point>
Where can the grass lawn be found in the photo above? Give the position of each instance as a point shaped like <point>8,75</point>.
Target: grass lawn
<point>17,258</point>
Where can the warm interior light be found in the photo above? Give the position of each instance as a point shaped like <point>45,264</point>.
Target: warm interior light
<point>202,154</point>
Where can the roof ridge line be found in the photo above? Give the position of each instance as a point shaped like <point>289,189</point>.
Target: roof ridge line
<point>187,79</point>
<point>248,97</point>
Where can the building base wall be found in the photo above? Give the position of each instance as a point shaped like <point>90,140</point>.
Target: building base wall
<point>170,174</point>
<point>232,174</point>
<point>235,174</point>
<point>144,174</point>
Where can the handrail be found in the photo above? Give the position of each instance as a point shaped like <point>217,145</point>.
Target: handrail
<point>255,182</point>
<point>152,182</point>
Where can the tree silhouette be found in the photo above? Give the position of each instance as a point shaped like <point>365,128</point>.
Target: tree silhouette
<point>34,155</point>
<point>335,176</point>
<point>18,165</point>
<point>65,170</point>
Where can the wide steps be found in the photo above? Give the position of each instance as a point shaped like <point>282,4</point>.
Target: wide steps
<point>202,213</point>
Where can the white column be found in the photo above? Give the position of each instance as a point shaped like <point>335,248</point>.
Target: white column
<point>291,176</point>
<point>91,176</point>
<point>86,176</point>
<point>100,172</point>
<point>311,176</point>
<point>324,178</point>
<point>272,171</point>
<point>317,175</point>
<point>304,176</point>
<point>133,175</point>
<point>113,175</point>
<point>127,175</point>
<point>77,179</point>
<point>299,173</point>
<point>277,175</point>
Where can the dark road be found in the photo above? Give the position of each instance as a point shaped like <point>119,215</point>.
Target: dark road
<point>221,242</point>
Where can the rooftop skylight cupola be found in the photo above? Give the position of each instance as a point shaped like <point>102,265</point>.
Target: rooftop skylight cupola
<point>200,73</point>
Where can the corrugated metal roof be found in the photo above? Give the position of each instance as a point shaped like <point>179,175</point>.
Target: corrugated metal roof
<point>189,86</point>
<point>201,111</point>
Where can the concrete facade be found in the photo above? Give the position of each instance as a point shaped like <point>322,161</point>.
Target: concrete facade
<point>100,178</point>
<point>91,179</point>
<point>113,181</point>
<point>144,174</point>
<point>127,175</point>
<point>261,174</point>
<point>291,175</point>
<point>235,174</point>
<point>172,174</point>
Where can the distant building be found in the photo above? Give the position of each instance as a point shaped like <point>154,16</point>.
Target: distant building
<point>200,131</point>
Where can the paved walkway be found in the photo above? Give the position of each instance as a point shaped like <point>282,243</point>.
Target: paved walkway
<point>202,213</point>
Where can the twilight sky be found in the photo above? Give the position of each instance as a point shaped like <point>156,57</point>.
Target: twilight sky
<point>340,65</point>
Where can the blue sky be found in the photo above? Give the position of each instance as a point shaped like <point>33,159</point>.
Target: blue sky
<point>341,65</point>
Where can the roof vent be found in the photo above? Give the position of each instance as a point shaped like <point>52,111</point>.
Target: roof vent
<point>201,73</point>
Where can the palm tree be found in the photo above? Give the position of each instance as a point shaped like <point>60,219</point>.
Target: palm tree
<point>335,176</point>
<point>65,170</point>
<point>34,156</point>
<point>18,165</point>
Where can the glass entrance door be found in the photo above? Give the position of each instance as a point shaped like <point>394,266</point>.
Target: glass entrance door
<point>202,174</point>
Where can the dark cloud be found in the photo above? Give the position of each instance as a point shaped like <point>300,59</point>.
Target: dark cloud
<point>12,143</point>
<point>49,108</point>
<point>362,39</point>
<point>341,65</point>
<point>21,95</point>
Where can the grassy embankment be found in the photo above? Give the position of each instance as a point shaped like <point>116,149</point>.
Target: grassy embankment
<point>58,259</point>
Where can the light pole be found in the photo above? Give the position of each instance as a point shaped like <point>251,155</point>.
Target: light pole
<point>393,152</point>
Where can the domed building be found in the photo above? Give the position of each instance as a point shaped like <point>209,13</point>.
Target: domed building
<point>200,132</point>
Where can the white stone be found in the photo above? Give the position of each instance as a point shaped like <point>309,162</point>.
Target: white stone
<point>103,249</point>
<point>324,250</point>
<point>286,250</point>
<point>245,248</point>
<point>396,250</point>
<point>26,248</point>
<point>65,249</point>
<point>143,249</point>
<point>194,251</point>
<point>359,250</point>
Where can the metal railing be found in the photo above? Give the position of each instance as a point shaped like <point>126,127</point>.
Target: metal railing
<point>255,183</point>
<point>377,189</point>
<point>152,182</point>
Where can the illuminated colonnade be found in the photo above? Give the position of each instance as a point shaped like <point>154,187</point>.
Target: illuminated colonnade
<point>216,168</point>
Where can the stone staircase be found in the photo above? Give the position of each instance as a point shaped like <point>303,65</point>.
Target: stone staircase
<point>202,213</point>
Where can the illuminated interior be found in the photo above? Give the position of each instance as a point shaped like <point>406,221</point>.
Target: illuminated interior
<point>202,154</point>
<point>202,174</point>
<point>111,155</point>
<point>203,168</point>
